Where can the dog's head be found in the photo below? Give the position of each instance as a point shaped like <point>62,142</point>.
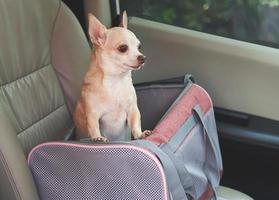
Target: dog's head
<point>117,46</point>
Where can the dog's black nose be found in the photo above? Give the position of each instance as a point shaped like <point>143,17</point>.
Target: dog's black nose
<point>141,59</point>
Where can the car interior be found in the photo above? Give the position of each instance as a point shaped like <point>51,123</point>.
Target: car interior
<point>45,53</point>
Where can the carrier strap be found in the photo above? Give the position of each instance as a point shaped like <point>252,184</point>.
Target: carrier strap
<point>173,180</point>
<point>198,113</point>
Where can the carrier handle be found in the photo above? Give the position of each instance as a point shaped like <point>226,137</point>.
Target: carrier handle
<point>198,113</point>
<point>173,180</point>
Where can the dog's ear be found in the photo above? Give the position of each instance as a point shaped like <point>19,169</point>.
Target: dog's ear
<point>97,31</point>
<point>124,20</point>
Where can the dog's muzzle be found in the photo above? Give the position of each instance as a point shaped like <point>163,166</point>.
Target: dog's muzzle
<point>141,59</point>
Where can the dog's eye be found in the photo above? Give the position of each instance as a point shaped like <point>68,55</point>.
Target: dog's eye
<point>139,47</point>
<point>122,48</point>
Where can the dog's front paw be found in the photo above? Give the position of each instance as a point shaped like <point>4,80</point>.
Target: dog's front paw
<point>146,133</point>
<point>142,135</point>
<point>99,139</point>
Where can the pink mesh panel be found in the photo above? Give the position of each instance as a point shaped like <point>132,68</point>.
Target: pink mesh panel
<point>104,171</point>
<point>180,112</point>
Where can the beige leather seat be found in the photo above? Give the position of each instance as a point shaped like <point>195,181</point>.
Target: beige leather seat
<point>43,58</point>
<point>225,193</point>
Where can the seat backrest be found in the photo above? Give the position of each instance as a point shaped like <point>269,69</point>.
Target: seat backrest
<point>44,55</point>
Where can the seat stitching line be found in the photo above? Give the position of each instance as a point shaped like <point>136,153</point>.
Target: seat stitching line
<point>40,119</point>
<point>12,107</point>
<point>10,176</point>
<point>26,75</point>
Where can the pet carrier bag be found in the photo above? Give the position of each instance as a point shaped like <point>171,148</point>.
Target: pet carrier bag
<point>186,136</point>
<point>181,160</point>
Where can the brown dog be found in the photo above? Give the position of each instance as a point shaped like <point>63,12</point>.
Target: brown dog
<point>107,108</point>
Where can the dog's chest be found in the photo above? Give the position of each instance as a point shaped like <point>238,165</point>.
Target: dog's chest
<point>115,111</point>
<point>119,97</point>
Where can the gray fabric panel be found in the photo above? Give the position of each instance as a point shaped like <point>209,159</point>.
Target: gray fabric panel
<point>182,93</point>
<point>154,101</point>
<point>174,184</point>
<point>184,175</point>
<point>96,172</point>
<point>209,121</point>
<point>192,153</point>
<point>70,53</point>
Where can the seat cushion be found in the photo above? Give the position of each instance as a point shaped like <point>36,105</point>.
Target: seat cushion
<point>43,52</point>
<point>31,97</point>
<point>225,193</point>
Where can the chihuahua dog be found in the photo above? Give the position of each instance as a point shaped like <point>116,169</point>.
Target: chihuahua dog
<point>107,108</point>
